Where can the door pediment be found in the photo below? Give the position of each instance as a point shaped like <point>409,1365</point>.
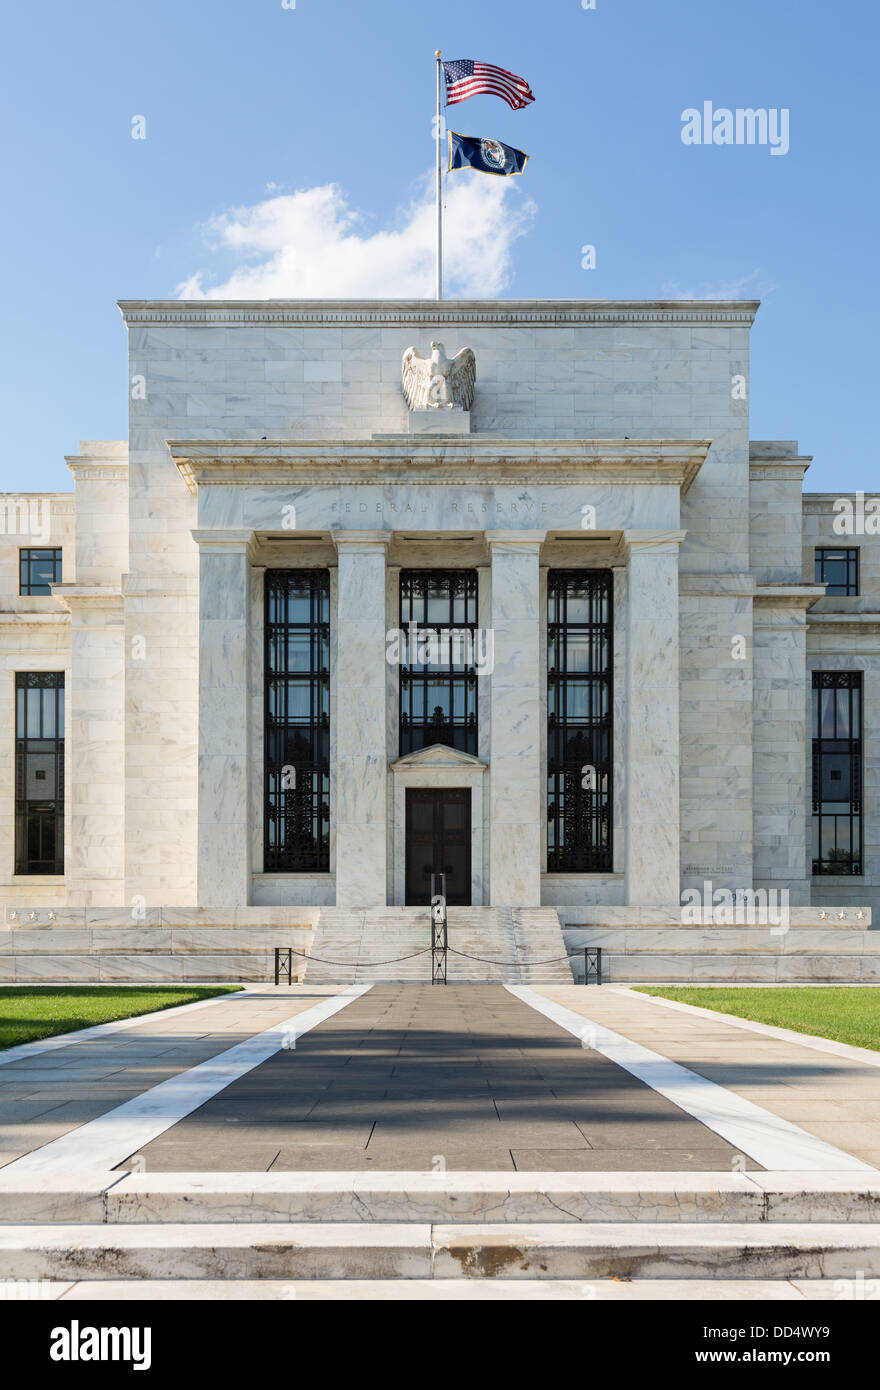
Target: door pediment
<point>438,755</point>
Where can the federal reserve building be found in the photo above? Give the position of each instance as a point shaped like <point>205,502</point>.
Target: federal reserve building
<point>493,599</point>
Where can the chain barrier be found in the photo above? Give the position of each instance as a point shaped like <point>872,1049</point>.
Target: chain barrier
<point>550,961</point>
<point>352,964</point>
<point>594,969</point>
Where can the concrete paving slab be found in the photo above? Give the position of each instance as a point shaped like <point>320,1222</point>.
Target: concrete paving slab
<point>424,1090</point>
<point>644,1160</point>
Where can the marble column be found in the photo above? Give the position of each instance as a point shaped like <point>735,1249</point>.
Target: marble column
<point>95,787</point>
<point>95,694</point>
<point>516,775</point>
<point>781,740</point>
<point>224,858</point>
<point>653,829</point>
<point>361,756</point>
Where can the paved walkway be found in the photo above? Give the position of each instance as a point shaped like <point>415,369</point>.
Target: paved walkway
<point>422,1078</point>
<point>832,1095</point>
<point>48,1091</point>
<point>415,1077</point>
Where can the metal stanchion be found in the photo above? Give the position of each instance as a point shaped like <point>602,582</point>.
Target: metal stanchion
<point>439,930</point>
<point>287,953</point>
<point>593,965</point>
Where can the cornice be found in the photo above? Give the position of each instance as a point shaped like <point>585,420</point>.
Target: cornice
<point>470,459</point>
<point>543,313</point>
<point>234,540</point>
<point>822,503</point>
<point>654,542</point>
<point>772,470</point>
<point>798,595</point>
<point>868,621</point>
<point>88,471</point>
<point>87,595</point>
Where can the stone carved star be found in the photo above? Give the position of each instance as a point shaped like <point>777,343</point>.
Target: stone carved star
<point>842,916</point>
<point>822,916</point>
<point>860,916</point>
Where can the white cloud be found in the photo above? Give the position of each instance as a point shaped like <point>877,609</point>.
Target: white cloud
<point>313,244</point>
<point>750,286</point>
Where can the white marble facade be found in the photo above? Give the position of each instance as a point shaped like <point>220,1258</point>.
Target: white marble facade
<point>265,435</point>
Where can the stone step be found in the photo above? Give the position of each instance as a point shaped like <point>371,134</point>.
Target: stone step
<point>834,952</point>
<point>457,1290</point>
<point>420,1250</point>
<point>485,944</point>
<point>509,1197</point>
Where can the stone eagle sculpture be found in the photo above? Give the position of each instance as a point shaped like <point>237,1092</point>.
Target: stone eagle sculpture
<point>430,383</point>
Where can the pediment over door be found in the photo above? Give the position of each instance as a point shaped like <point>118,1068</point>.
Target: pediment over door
<point>437,756</point>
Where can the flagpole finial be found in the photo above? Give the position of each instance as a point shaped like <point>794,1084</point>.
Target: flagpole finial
<point>437,53</point>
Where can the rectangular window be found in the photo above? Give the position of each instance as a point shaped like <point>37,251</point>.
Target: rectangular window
<point>837,772</point>
<point>38,569</point>
<point>297,721</point>
<point>580,654</point>
<point>39,772</point>
<point>838,568</point>
<point>438,682</point>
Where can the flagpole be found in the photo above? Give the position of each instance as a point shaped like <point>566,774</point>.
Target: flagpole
<point>439,130</point>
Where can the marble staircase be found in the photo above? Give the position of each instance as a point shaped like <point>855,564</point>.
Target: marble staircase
<point>392,945</point>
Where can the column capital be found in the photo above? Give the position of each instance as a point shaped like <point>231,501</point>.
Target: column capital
<point>516,540</point>
<point>659,542</point>
<point>361,540</point>
<point>225,541</point>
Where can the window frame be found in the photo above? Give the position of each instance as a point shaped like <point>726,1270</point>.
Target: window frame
<point>461,733</point>
<point>853,750</point>
<point>26,560</point>
<point>49,810</point>
<point>580,821</point>
<point>851,559</point>
<point>288,847</point>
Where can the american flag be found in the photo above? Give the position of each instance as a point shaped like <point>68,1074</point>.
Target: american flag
<point>467,78</point>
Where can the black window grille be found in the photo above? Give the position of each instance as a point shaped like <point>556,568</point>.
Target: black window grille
<point>838,569</point>
<point>39,772</point>
<point>837,772</point>
<point>438,694</point>
<point>580,656</point>
<point>297,721</point>
<point>38,569</point>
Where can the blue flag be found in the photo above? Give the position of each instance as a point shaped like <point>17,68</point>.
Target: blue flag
<point>487,156</point>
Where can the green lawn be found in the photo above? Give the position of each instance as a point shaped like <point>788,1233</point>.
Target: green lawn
<point>846,1015</point>
<point>30,1013</point>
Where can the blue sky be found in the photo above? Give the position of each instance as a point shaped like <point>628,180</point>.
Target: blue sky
<point>248,104</point>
